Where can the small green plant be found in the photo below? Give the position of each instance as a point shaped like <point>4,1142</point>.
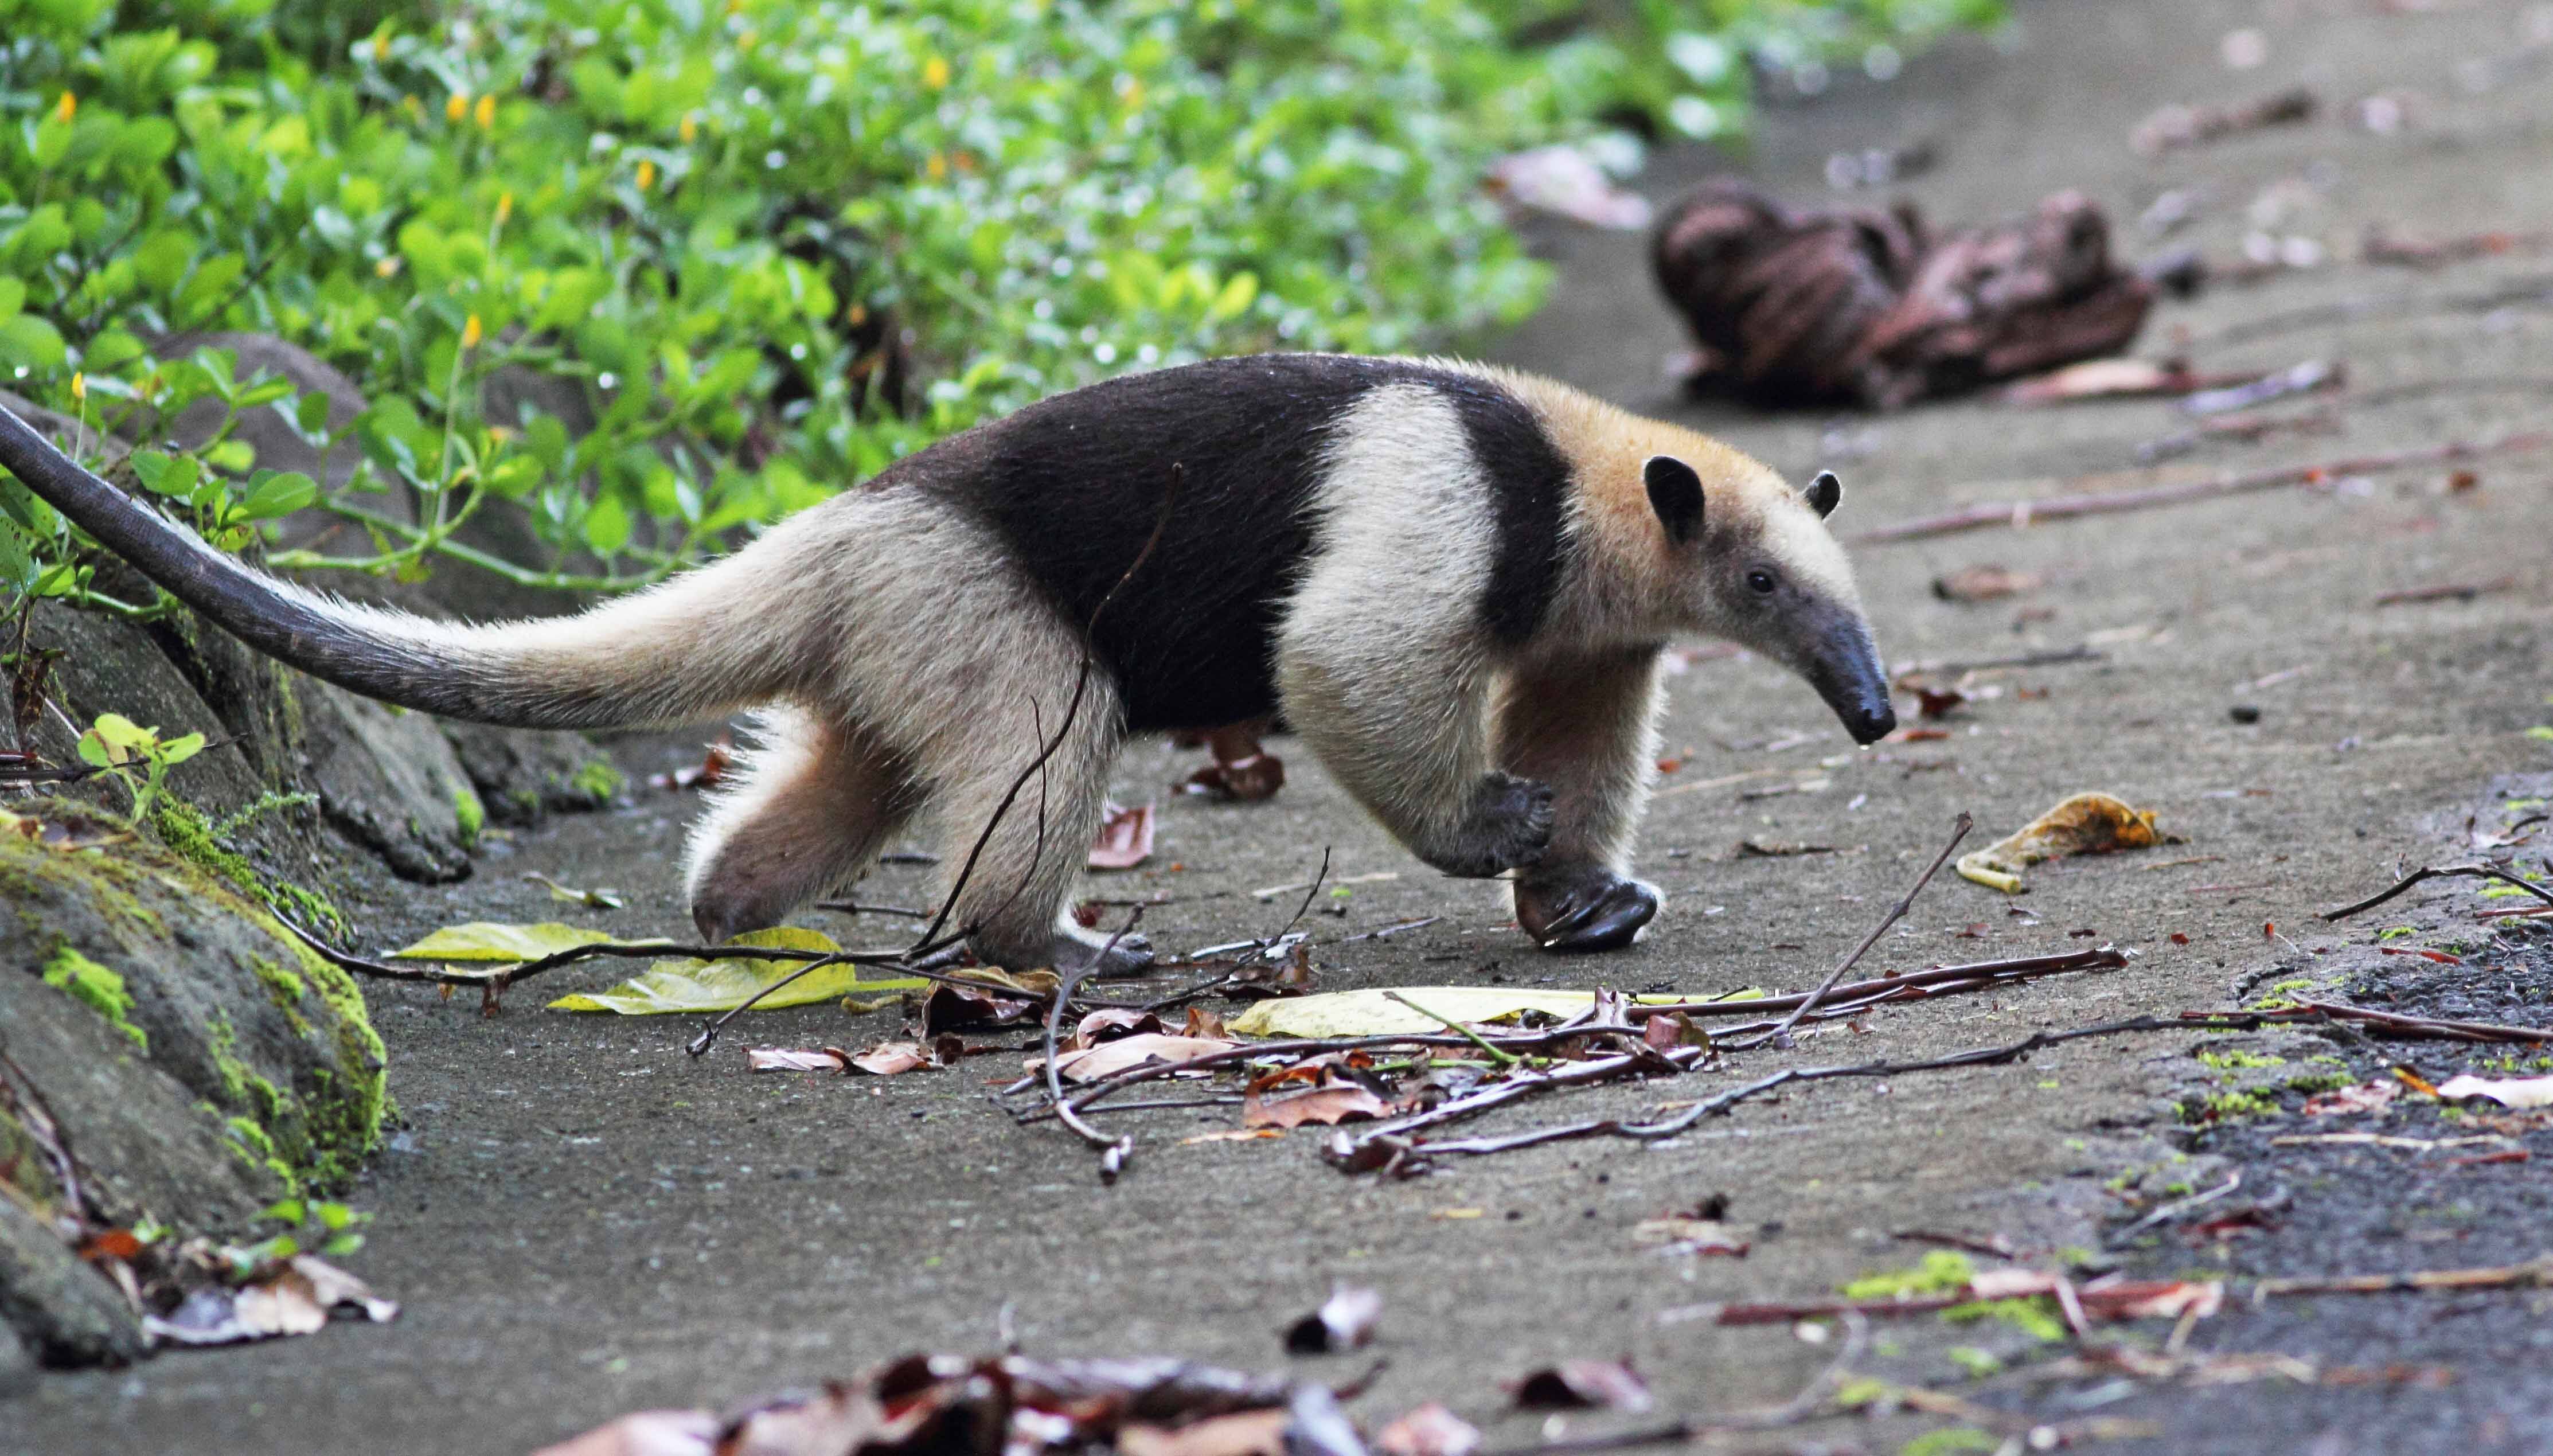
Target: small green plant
<point>323,1228</point>
<point>125,749</point>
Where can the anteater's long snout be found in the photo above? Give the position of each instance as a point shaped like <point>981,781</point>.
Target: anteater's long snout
<point>1847,674</point>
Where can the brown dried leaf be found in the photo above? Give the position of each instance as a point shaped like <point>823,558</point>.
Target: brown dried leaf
<point>1246,1433</point>
<point>2363,1097</point>
<point>1256,776</point>
<point>1582,1385</point>
<point>1762,848</point>
<point>1125,839</point>
<point>645,1433</point>
<point>1109,1024</point>
<point>1205,1023</point>
<point>1110,1057</point>
<point>1327,1106</point>
<point>1984,582</point>
<point>945,1006</point>
<point>891,1058</point>
<point>1682,1234</point>
<point>295,1297</point>
<point>1344,1321</point>
<point>782,1059</point>
<point>1430,1430</point>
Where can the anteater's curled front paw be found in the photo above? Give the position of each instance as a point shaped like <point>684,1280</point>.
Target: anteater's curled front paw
<point>1507,827</point>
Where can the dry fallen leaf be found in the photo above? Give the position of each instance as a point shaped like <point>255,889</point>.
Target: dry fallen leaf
<point>1986,582</point>
<point>1582,1385</point>
<point>782,1059</point>
<point>1344,1321</point>
<point>1245,1433</point>
<point>2363,1097</point>
<point>1327,1106</point>
<point>1430,1430</point>
<point>1111,1023</point>
<point>1234,1135</point>
<point>2518,1092</point>
<point>888,1059</point>
<point>295,1297</point>
<point>1110,1057</point>
<point>645,1433</point>
<point>1566,182</point>
<point>2086,823</point>
<point>1125,839</point>
<point>1684,1233</point>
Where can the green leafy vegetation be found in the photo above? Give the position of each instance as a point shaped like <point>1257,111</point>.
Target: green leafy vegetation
<point>657,275</point>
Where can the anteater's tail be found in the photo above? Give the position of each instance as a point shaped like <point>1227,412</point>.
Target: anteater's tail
<point>699,645</point>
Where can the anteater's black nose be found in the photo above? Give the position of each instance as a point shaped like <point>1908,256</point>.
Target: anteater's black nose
<point>1872,722</point>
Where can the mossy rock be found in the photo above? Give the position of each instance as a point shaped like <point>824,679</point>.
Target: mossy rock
<point>201,1062</point>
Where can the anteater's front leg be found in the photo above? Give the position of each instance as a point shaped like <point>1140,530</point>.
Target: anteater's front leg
<point>1402,723</point>
<point>1586,725</point>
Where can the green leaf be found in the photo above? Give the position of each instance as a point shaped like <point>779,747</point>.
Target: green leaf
<point>488,941</point>
<point>178,750</point>
<point>273,494</point>
<point>607,525</point>
<point>13,297</point>
<point>31,345</point>
<point>690,985</point>
<point>121,731</point>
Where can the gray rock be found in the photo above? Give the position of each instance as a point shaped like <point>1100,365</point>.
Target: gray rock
<point>523,776</point>
<point>63,1310</point>
<point>16,1363</point>
<point>197,1061</point>
<point>387,779</point>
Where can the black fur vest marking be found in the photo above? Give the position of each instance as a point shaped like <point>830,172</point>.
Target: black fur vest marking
<point>1075,485</point>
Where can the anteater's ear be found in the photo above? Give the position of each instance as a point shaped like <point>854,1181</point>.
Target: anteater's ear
<point>1675,493</point>
<point>1823,493</point>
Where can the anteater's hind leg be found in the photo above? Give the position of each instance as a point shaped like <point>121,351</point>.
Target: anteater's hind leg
<point>1030,851</point>
<point>812,804</point>
<point>965,668</point>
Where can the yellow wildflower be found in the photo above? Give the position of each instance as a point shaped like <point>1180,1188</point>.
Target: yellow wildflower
<point>381,46</point>
<point>646,175</point>
<point>455,106</point>
<point>504,206</point>
<point>488,111</point>
<point>472,334</point>
<point>66,108</point>
<point>79,387</point>
<point>386,268</point>
<point>691,128</point>
<point>935,73</point>
<point>938,167</point>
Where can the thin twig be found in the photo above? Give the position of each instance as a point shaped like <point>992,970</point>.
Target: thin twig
<point>1114,1151</point>
<point>2066,507</point>
<point>2445,871</point>
<point>2537,1271</point>
<point>1503,1058</point>
<point>851,907</point>
<point>1958,830</point>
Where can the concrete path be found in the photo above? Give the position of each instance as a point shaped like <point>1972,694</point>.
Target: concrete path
<point>581,1220</point>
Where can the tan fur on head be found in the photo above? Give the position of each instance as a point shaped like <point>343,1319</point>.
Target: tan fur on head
<point>1658,590</point>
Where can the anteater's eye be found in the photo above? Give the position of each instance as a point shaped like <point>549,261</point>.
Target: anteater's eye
<point>1760,583</point>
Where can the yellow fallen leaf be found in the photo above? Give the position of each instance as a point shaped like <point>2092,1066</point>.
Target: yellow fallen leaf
<point>1456,1214</point>
<point>2087,823</point>
<point>686,984</point>
<point>481,939</point>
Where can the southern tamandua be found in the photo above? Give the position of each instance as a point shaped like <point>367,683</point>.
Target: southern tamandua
<point>1454,581</point>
